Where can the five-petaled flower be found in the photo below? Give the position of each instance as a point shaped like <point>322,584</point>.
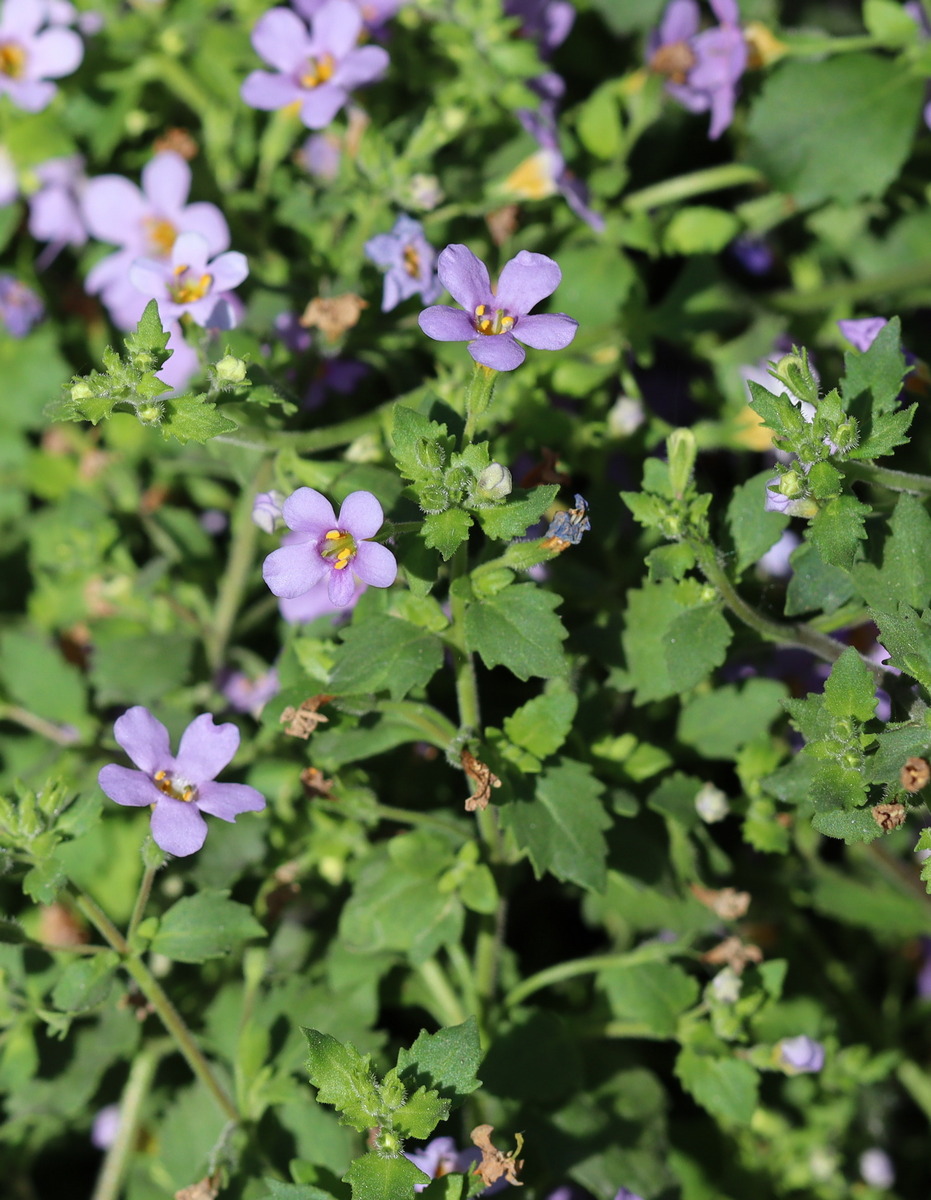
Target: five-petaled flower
<point>181,787</point>
<point>20,307</point>
<point>31,55</point>
<point>316,68</point>
<point>495,320</point>
<point>702,69</point>
<point>191,283</point>
<point>798,1055</point>
<point>410,260</point>
<point>332,548</point>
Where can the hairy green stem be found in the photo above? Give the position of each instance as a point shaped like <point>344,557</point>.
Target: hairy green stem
<point>466,682</point>
<point>236,576</point>
<point>447,1006</point>
<point>141,1073</point>
<point>695,183</point>
<point>649,952</point>
<point>142,899</point>
<point>479,392</point>
<point>896,481</point>
<point>36,724</point>
<point>158,998</point>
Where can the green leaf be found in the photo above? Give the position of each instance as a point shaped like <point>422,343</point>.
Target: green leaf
<point>836,786</point>
<point>890,23</point>
<point>725,1087</point>
<point>852,825</point>
<point>445,1061</point>
<point>838,529</point>
<point>873,378</point>
<point>521,510</point>
<point>599,122</point>
<point>446,531</point>
<point>343,1078</point>
<point>696,643</point>
<point>888,431</point>
<point>778,412</point>
<point>700,229</point>
<point>375,1178</point>
<point>542,724</point>
<point>148,338</point>
<point>206,925</point>
<point>561,828</point>
<point>907,637</point>
<point>44,881</point>
<point>420,446</point>
<point>193,419</point>
<point>385,653</point>
<point>894,746</point>
<point>871,904</point>
<point>815,584</point>
<point>85,983</point>
<point>675,799</point>
<point>135,667</point>
<point>867,108</point>
<point>850,690</point>
<point>518,629</point>
<point>717,724</point>
<point>905,574</point>
<point>650,995</point>
<point>277,1189</point>
<point>753,530</point>
<point>420,1115</point>
<point>40,678</point>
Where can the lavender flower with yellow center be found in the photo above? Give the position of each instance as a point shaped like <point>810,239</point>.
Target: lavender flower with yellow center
<point>316,68</point>
<point>410,260</point>
<point>178,788</point>
<point>333,548</point>
<point>495,320</point>
<point>31,55</point>
<point>191,283</point>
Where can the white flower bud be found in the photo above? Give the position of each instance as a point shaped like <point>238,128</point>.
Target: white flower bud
<point>711,804</point>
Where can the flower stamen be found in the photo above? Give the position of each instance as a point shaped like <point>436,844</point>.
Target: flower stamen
<point>317,71</point>
<point>12,60</point>
<point>499,323</point>
<point>340,546</point>
<point>186,291</point>
<point>161,235</point>
<point>178,789</point>
<point>411,261</point>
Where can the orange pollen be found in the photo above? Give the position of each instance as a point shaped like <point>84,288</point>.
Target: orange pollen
<point>339,548</point>
<point>411,261</point>
<point>499,323</point>
<point>186,291</point>
<point>177,789</point>
<point>12,60</point>
<point>160,234</point>
<point>318,71</point>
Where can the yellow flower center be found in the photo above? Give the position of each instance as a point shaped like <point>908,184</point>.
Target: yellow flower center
<point>186,291</point>
<point>178,789</point>
<point>340,546</point>
<point>12,60</point>
<point>499,322</point>
<point>411,261</point>
<point>317,71</point>
<point>674,60</point>
<point>160,235</point>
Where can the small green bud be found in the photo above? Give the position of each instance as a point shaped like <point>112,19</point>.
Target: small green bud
<point>392,1091</point>
<point>230,369</point>
<point>387,1143</point>
<point>681,451</point>
<point>792,484</point>
<point>458,481</point>
<point>494,483</point>
<point>488,582</point>
<point>846,435</point>
<point>433,498</point>
<point>793,370</point>
<point>150,414</point>
<point>80,392</point>
<point>430,454</point>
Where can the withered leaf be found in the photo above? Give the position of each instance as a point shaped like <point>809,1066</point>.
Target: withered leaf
<point>481,778</point>
<point>495,1163</point>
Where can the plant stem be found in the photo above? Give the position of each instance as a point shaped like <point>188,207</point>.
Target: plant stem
<point>142,899</point>
<point>236,576</point>
<point>36,724</point>
<point>448,1007</point>
<point>899,279</point>
<point>141,1073</point>
<point>773,631</point>
<point>479,392</point>
<point>696,183</point>
<point>466,683</point>
<point>435,728</point>
<point>649,952</point>
<point>158,998</point>
<point>307,441</point>
<point>896,481</point>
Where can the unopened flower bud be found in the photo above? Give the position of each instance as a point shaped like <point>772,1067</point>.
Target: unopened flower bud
<point>794,371</point>
<point>430,454</point>
<point>494,483</point>
<point>230,369</point>
<point>792,484</point>
<point>847,435</point>
<point>726,985</point>
<point>681,449</point>
<point>266,510</point>
<point>711,804</point>
<point>433,498</point>
<point>625,417</point>
<point>387,1143</point>
<point>80,392</point>
<point>149,414</point>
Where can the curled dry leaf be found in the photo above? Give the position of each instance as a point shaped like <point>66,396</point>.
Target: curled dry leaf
<point>333,315</point>
<point>915,774</point>
<point>888,816</point>
<point>482,779</point>
<point>314,782</point>
<point>204,1189</point>
<point>495,1163</point>
<point>726,903</point>
<point>733,953</point>
<point>302,721</point>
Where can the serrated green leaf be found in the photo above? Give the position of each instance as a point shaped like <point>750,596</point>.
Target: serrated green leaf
<point>778,412</point>
<point>907,637</point>
<point>850,690</point>
<point>205,925</point>
<point>542,724</point>
<point>753,530</point>
<point>651,995</point>
<point>836,786</point>
<point>445,1061</point>
<point>851,826</point>
<point>419,446</point>
<point>420,1115</point>
<point>894,746</point>
<point>521,510</point>
<point>873,378</point>
<point>149,336</point>
<point>385,653</point>
<point>888,431</point>
<point>905,574</point>
<point>277,1189</point>
<point>193,419</point>
<point>696,643</point>
<point>375,1178</point>
<point>725,1087</point>
<point>44,881</point>
<point>838,529</point>
<point>719,723</point>
<point>518,629</point>
<point>815,584</point>
<point>343,1078</point>
<point>561,828</point>
<point>85,983</point>
<point>446,531</point>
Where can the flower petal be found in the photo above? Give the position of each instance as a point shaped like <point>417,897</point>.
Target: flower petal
<point>465,277</point>
<point>144,738</point>
<point>207,220</point>
<point>56,52</point>
<point>308,510</point>
<point>293,570</point>
<point>341,587</point>
<point>526,280</point>
<point>229,270</point>
<point>228,800</point>
<point>205,749</point>
<point>166,181</point>
<point>126,786</point>
<point>114,210</point>
<point>375,564</point>
<point>548,331</point>
<point>444,323</point>
<point>263,90</point>
<point>498,351</point>
<point>280,37</point>
<point>361,515</point>
<point>190,251</point>
<point>178,827</point>
<point>321,104</point>
<point>362,66</point>
<point>336,28</point>
<point>680,22</point>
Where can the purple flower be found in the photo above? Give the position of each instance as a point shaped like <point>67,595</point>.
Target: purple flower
<point>301,610</point>
<point>702,69</point>
<point>546,172</point>
<point>410,260</point>
<point>492,320</point>
<point>105,1127</point>
<point>333,548</point>
<point>190,282</point>
<point>374,12</point>
<point>753,254</point>
<point>145,223</point>
<point>20,307</point>
<point>626,1194</point>
<point>339,375</point>
<point>266,510</point>
<point>862,332</point>
<point>31,55</point>
<point>442,1156</point>
<point>547,22</point>
<point>923,980</point>
<point>320,154</point>
<point>9,184</point>
<point>876,1168</point>
<point>800,1054</point>
<point>55,209</point>
<point>316,68</point>
<point>179,787</point>
<point>247,695</point>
